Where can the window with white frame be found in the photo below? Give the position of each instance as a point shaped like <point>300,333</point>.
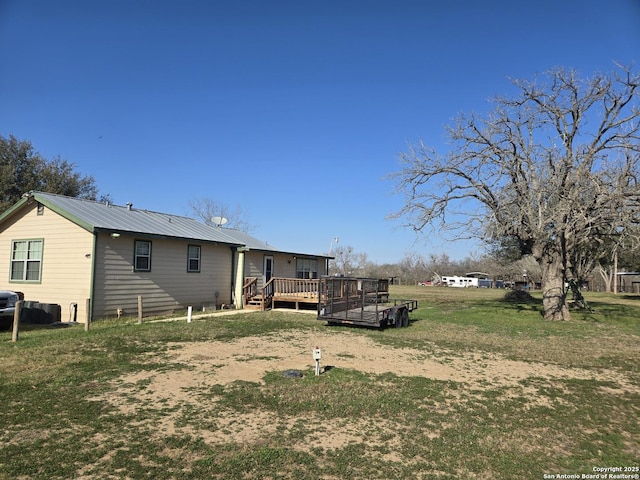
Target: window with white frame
<point>26,260</point>
<point>306,268</point>
<point>142,256</point>
<point>193,258</point>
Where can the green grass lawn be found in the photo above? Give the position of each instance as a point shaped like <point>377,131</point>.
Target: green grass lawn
<point>63,413</point>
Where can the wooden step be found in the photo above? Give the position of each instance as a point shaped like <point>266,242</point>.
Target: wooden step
<point>254,303</point>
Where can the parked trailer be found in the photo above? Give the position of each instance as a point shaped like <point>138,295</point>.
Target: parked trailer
<point>361,301</point>
<point>464,282</point>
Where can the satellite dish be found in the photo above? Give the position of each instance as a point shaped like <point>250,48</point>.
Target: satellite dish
<point>219,221</point>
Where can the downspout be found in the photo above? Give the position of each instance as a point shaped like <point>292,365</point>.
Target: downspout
<point>232,291</point>
<point>93,277</point>
<point>239,300</point>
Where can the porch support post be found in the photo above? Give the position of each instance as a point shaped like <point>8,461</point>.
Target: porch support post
<point>239,300</point>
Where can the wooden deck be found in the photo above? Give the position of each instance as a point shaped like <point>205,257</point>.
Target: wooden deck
<point>298,291</point>
<point>295,291</point>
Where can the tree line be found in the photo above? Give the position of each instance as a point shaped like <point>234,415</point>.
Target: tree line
<point>416,267</point>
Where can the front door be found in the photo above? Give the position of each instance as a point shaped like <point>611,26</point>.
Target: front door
<point>268,268</point>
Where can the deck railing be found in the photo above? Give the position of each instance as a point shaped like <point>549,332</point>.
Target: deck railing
<point>250,288</point>
<point>284,289</point>
<point>295,287</point>
<point>267,294</point>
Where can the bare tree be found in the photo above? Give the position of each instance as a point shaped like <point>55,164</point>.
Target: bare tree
<point>386,270</point>
<point>555,167</point>
<point>207,210</point>
<point>347,262</point>
<point>414,268</point>
<point>623,256</point>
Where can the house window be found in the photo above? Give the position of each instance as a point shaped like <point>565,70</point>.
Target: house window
<point>40,209</point>
<point>26,260</point>
<point>306,268</point>
<point>142,257</point>
<point>193,258</point>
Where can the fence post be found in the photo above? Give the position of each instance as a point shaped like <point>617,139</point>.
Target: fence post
<point>87,323</point>
<point>139,308</point>
<point>16,321</point>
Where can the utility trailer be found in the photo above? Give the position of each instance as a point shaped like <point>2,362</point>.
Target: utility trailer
<point>361,301</point>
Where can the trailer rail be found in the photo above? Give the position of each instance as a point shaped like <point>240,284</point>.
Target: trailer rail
<point>361,301</point>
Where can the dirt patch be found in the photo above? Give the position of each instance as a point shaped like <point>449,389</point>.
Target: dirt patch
<point>196,367</point>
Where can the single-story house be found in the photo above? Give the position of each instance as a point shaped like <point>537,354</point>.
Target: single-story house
<point>98,259</point>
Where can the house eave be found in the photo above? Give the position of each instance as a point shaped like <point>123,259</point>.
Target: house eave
<point>14,208</point>
<point>133,233</point>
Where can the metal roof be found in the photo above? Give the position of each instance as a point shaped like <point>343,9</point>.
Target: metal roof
<point>247,240</point>
<point>97,216</point>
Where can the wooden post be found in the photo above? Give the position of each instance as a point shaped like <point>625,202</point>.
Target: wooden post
<point>87,323</point>
<point>139,308</point>
<point>16,321</point>
<point>615,272</point>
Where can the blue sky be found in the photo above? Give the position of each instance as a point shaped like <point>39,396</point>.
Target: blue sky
<point>295,111</point>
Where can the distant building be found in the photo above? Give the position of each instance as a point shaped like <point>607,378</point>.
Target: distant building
<point>472,279</point>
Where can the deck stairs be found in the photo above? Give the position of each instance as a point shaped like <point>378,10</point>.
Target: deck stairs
<point>255,303</point>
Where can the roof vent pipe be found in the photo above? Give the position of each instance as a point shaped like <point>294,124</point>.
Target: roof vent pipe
<point>129,205</point>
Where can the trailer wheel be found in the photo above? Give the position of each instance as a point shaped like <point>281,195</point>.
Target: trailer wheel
<point>398,319</point>
<point>405,317</point>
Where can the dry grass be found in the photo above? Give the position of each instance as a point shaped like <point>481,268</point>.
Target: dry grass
<point>474,388</point>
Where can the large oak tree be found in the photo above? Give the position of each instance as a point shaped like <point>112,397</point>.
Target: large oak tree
<point>22,170</point>
<point>555,166</point>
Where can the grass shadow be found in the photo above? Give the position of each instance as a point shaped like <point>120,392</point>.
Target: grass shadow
<point>631,297</point>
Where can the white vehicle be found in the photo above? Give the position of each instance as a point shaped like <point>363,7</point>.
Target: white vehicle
<point>463,282</point>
